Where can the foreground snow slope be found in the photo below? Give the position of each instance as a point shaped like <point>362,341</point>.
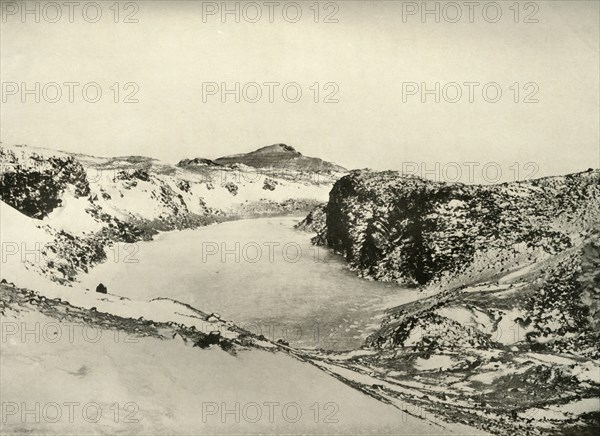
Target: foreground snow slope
<point>80,372</point>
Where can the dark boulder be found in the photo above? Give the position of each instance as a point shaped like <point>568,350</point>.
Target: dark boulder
<point>205,341</point>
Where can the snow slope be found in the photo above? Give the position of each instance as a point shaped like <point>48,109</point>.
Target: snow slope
<point>83,375</point>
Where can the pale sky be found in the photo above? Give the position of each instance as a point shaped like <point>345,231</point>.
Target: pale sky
<point>369,53</point>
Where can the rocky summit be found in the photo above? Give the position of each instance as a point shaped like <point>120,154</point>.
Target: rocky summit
<point>281,157</point>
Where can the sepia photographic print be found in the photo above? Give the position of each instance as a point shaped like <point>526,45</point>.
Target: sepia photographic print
<point>300,217</point>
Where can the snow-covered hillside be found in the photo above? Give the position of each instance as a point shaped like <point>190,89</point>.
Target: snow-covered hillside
<point>85,203</point>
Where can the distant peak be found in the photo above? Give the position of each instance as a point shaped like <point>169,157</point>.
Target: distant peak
<point>277,148</point>
<point>280,156</point>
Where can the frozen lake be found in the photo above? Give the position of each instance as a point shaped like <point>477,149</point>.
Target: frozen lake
<point>261,274</point>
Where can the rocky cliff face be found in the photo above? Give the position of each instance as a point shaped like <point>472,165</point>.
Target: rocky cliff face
<point>406,229</point>
<point>35,187</point>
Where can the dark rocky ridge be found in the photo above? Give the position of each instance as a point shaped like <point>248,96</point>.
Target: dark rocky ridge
<point>406,229</point>
<point>199,161</point>
<point>36,188</point>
